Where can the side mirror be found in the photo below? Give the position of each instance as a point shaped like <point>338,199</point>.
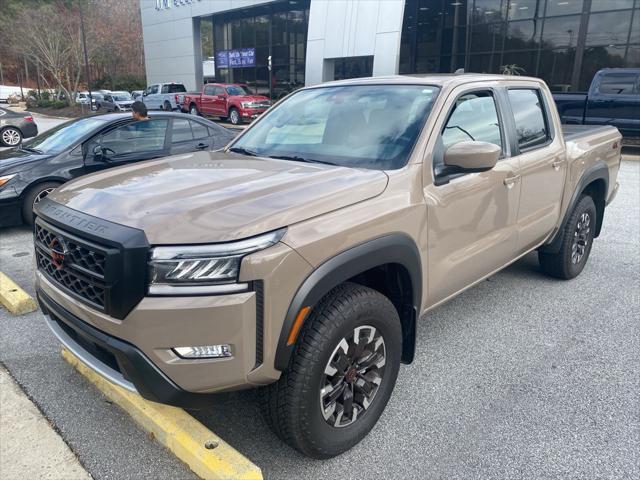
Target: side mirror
<point>145,93</point>
<point>472,156</point>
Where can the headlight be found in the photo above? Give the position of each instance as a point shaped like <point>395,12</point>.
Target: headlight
<point>203,269</point>
<point>245,104</point>
<point>4,179</point>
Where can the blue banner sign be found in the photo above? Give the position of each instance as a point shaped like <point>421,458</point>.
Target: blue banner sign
<point>236,58</point>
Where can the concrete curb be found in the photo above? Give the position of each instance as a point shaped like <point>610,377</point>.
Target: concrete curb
<point>15,299</point>
<point>178,431</point>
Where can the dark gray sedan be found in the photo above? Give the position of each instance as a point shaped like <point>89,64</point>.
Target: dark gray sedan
<point>14,126</point>
<point>91,144</point>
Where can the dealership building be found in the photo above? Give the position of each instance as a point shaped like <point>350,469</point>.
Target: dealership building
<point>275,46</point>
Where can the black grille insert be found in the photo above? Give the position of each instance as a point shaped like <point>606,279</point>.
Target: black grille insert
<point>81,268</point>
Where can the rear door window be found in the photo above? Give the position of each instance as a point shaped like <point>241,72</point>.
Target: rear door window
<point>181,131</point>
<point>618,83</point>
<point>199,130</point>
<point>530,118</point>
<point>209,90</point>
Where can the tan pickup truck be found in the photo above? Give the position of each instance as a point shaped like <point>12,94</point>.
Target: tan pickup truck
<point>301,257</point>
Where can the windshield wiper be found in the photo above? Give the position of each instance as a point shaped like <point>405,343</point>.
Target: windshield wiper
<point>243,151</point>
<point>296,158</point>
<point>32,150</point>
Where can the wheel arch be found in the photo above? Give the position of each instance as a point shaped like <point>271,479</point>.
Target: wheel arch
<point>40,181</point>
<point>595,183</point>
<point>390,264</point>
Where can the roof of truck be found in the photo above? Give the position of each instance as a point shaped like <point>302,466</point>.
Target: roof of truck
<point>439,79</point>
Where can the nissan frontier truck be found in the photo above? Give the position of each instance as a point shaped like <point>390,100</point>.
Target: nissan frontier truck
<point>302,258</point>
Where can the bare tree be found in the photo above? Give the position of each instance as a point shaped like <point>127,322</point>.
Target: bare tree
<point>51,34</point>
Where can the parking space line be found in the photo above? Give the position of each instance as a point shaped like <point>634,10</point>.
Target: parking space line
<point>14,298</point>
<point>207,455</point>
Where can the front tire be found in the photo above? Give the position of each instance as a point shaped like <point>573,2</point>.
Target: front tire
<point>234,117</point>
<point>341,374</point>
<point>33,196</point>
<point>575,247</point>
<point>10,137</point>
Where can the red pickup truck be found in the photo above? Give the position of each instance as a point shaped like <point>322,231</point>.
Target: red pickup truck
<point>223,100</point>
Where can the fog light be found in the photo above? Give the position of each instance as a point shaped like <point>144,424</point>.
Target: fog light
<point>205,351</point>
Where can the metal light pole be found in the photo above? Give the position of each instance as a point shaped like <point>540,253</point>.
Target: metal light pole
<point>86,56</point>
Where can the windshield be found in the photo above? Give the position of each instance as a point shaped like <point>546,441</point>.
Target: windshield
<point>360,126</point>
<point>237,90</point>
<point>121,96</point>
<point>58,138</point>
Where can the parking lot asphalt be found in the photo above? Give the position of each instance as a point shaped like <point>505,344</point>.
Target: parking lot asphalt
<point>522,376</point>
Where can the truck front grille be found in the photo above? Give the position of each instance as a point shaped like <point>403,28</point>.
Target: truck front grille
<point>76,266</point>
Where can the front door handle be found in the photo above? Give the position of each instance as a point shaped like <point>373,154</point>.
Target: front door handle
<point>201,146</point>
<point>510,181</point>
<point>557,164</point>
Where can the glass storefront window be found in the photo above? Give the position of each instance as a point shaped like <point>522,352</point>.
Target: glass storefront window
<point>279,30</point>
<point>556,67</point>
<point>561,31</point>
<point>524,34</point>
<point>608,28</point>
<point>352,67</point>
<point>599,5</point>
<point>523,9</point>
<point>563,7</point>
<point>596,58</point>
<point>206,38</point>
<point>489,10</point>
<point>543,37</point>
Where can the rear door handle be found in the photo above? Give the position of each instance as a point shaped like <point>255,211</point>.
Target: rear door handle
<point>201,146</point>
<point>557,164</point>
<point>510,181</point>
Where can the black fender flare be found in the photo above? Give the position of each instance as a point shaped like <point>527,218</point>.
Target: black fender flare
<point>599,171</point>
<point>396,248</point>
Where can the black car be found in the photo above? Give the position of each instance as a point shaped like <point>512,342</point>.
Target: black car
<point>31,171</point>
<point>14,126</point>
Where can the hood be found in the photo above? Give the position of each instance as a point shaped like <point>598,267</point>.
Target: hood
<point>207,197</point>
<point>16,157</point>
<point>124,102</point>
<point>252,98</point>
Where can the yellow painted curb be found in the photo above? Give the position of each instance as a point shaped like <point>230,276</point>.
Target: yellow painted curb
<point>174,428</point>
<point>16,300</point>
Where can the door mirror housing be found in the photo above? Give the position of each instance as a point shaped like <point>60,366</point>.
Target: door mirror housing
<point>472,156</point>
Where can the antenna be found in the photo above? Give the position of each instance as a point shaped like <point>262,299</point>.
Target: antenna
<point>459,71</point>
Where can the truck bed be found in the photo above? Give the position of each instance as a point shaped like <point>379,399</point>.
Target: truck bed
<point>573,133</point>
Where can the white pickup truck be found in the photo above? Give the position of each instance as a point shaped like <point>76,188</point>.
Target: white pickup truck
<point>163,96</point>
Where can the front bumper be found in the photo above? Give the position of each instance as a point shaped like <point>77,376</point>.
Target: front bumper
<point>116,360</point>
<point>252,112</point>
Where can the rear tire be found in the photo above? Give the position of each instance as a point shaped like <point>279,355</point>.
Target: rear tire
<point>10,137</point>
<point>328,360</point>
<point>575,247</point>
<point>193,109</point>
<point>167,106</point>
<point>33,196</point>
